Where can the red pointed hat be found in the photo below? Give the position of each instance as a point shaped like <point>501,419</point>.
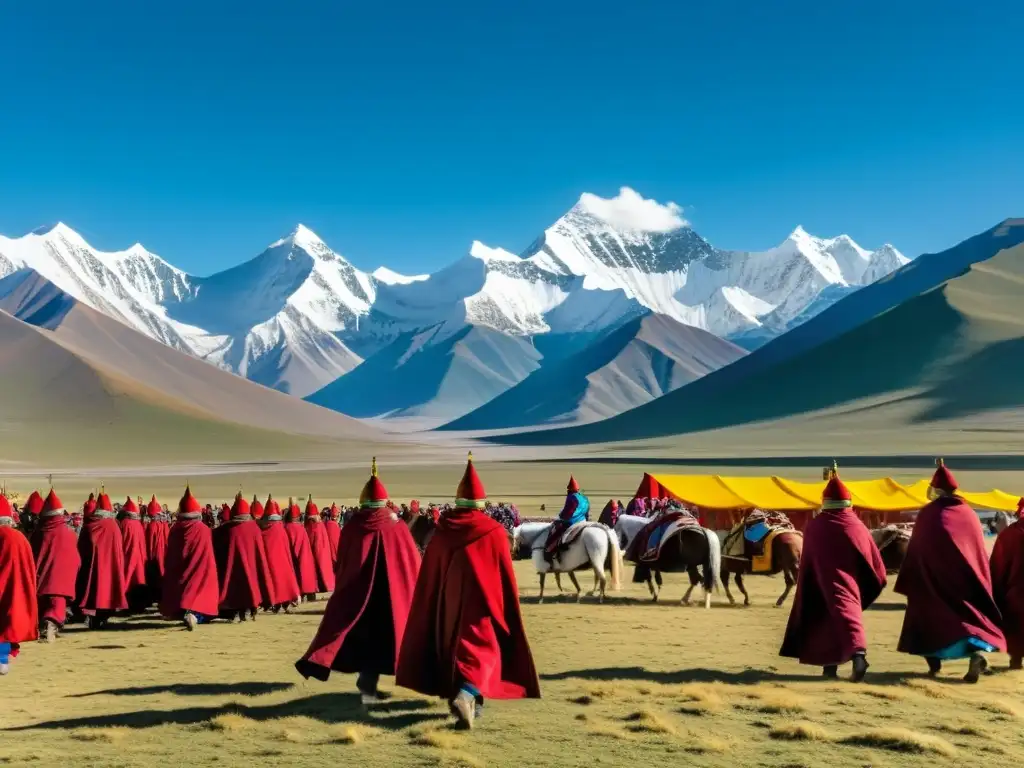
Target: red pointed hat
<point>311,510</point>
<point>240,508</point>
<point>573,486</point>
<point>294,513</point>
<point>374,495</point>
<point>153,508</point>
<point>6,510</point>
<point>130,506</point>
<point>256,509</point>
<point>52,506</point>
<point>90,505</point>
<point>471,493</point>
<point>836,495</point>
<point>271,507</point>
<point>33,504</point>
<point>335,512</point>
<point>188,504</point>
<point>943,479</point>
<point>103,503</point>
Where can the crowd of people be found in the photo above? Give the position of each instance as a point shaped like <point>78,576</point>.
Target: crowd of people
<point>446,621</point>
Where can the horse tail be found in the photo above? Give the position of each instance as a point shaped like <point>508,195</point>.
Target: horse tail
<point>616,557</point>
<point>713,564</point>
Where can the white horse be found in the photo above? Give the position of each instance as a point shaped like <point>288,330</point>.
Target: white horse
<point>688,555</point>
<point>595,546</point>
<point>1003,520</point>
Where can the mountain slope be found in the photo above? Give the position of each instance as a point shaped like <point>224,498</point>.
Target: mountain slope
<point>938,339</point>
<point>634,364</point>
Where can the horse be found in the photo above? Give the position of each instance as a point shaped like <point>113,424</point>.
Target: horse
<point>892,542</point>
<point>1002,520</point>
<point>786,550</point>
<point>686,549</point>
<point>596,547</point>
<point>421,526</point>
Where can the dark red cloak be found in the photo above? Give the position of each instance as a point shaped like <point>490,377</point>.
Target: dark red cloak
<point>19,612</point>
<point>465,625</point>
<point>947,581</point>
<point>279,562</point>
<point>1008,585</point>
<point>55,548</point>
<point>101,584</point>
<point>190,571</point>
<point>133,538</point>
<point>242,567</point>
<point>841,574</point>
<point>365,620</point>
<point>333,537</point>
<point>157,532</point>
<point>302,557</point>
<point>320,546</point>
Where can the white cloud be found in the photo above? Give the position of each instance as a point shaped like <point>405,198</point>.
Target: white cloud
<point>629,210</point>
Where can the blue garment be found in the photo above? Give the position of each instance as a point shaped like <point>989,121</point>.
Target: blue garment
<point>961,649</point>
<point>5,652</point>
<point>756,532</point>
<point>576,509</point>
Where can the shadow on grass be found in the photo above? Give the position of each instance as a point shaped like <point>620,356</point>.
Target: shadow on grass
<point>328,708</point>
<point>888,607</point>
<point>701,675</point>
<point>191,689</point>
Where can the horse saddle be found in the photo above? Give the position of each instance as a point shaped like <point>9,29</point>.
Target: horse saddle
<point>660,531</point>
<point>573,532</point>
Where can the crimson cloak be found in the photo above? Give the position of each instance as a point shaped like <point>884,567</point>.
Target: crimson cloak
<point>242,566</point>
<point>1008,585</point>
<point>19,612</point>
<point>320,547</point>
<point>101,578</point>
<point>302,557</point>
<point>133,539</point>
<point>157,532</point>
<point>190,571</point>
<point>55,548</point>
<point>277,546</point>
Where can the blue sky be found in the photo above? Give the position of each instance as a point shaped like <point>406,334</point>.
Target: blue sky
<point>402,131</point>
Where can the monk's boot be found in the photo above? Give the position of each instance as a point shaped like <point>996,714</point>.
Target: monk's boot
<point>49,632</point>
<point>830,672</point>
<point>366,684</point>
<point>252,614</point>
<point>191,622</point>
<point>463,707</point>
<point>860,667</point>
<point>1016,663</point>
<point>934,666</point>
<point>978,666</point>
<point>242,616</point>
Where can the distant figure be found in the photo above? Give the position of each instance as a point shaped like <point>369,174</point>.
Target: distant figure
<point>133,540</point>
<point>576,510</point>
<point>157,531</point>
<point>101,589</point>
<point>55,548</point>
<point>365,620</point>
<point>1008,588</point>
<point>279,558</point>
<point>242,569</point>
<point>610,513</point>
<point>190,590</point>
<point>465,640</point>
<point>302,553</point>
<point>332,525</point>
<point>951,613</point>
<point>841,574</point>
<point>19,620</point>
<point>320,546</point>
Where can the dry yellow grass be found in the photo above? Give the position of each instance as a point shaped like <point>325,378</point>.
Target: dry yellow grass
<point>901,740</point>
<point>648,721</point>
<point>799,730</point>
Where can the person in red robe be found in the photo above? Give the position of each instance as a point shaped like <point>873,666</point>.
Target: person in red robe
<point>190,592</point>
<point>841,574</point>
<point>302,553</point>
<point>133,539</point>
<point>279,558</point>
<point>157,531</point>
<point>55,549</point>
<point>332,525</point>
<point>364,623</point>
<point>951,612</point>
<point>320,546</point>
<point>242,569</point>
<point>33,504</point>
<point>19,618</point>
<point>465,640</point>
<point>101,589</point>
<point>1007,566</point>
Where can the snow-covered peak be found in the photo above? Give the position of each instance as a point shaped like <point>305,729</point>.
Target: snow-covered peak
<point>390,277</point>
<point>485,253</point>
<point>301,237</point>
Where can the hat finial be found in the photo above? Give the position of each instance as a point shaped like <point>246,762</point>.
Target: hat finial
<point>940,463</point>
<point>470,457</point>
<point>373,467</point>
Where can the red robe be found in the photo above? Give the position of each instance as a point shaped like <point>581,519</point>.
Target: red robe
<point>101,584</point>
<point>133,539</point>
<point>465,625</point>
<point>333,537</point>
<point>55,548</point>
<point>320,546</point>
<point>279,562</point>
<point>362,628</point>
<point>157,532</point>
<point>841,574</point>
<point>302,557</point>
<point>1008,585</point>
<point>242,566</point>
<point>190,571</point>
<point>947,581</point>
<point>19,619</point>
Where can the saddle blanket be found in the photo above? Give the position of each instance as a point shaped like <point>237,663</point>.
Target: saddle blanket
<point>663,532</point>
<point>573,532</point>
<point>762,563</point>
<point>743,543</point>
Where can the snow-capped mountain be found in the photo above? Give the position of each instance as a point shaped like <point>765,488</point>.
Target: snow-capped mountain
<point>299,315</point>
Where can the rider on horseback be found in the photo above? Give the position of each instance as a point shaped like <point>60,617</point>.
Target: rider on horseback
<point>576,510</point>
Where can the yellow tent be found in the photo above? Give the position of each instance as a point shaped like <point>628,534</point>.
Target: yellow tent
<point>994,499</point>
<point>882,495</point>
<point>719,492</point>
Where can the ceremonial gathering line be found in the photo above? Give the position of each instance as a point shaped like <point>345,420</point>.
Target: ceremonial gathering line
<point>430,596</point>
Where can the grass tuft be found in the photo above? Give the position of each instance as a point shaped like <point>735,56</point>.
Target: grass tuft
<point>799,730</point>
<point>779,702</point>
<point>886,692</point>
<point>583,700</point>
<point>113,735</point>
<point>702,745</point>
<point>610,731</point>
<point>434,738</point>
<point>648,721</point>
<point>229,721</point>
<point>901,740</point>
<point>931,688</point>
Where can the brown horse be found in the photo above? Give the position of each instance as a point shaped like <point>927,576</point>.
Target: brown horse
<point>892,541</point>
<point>786,550</point>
